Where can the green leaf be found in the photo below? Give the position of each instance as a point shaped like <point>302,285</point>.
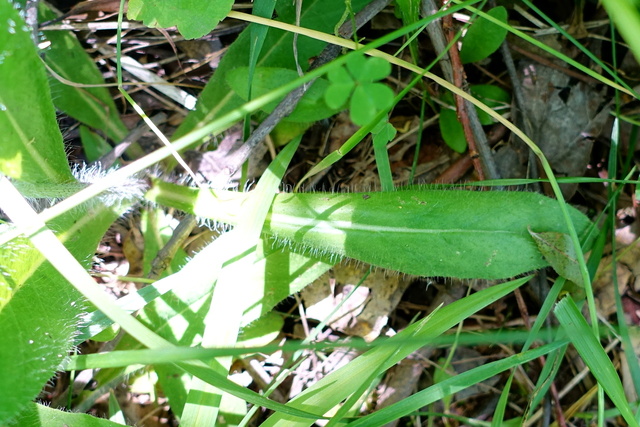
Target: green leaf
<point>451,130</point>
<point>340,76</point>
<point>337,95</point>
<point>382,134</point>
<point>593,355</point>
<point>369,99</point>
<point>92,106</point>
<point>39,310</point>
<point>365,69</point>
<point>94,145</point>
<point>217,99</point>
<point>340,384</point>
<point>559,252</point>
<point>193,18</point>
<point>483,37</point>
<point>374,69</point>
<point>44,416</point>
<point>355,65</point>
<point>311,106</point>
<point>32,148</point>
<point>415,231</point>
<point>38,323</point>
<point>492,96</point>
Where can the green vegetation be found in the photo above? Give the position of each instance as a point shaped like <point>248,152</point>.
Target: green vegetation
<point>200,310</point>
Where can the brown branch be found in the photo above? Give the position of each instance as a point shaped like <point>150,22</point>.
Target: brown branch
<point>459,79</point>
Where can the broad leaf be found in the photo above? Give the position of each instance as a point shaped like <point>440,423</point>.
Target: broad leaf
<point>483,37</point>
<point>414,231</point>
<point>217,99</point>
<point>92,106</point>
<point>451,130</point>
<point>39,321</point>
<point>32,148</point>
<point>43,416</point>
<point>559,252</point>
<point>311,106</point>
<point>38,309</point>
<point>193,18</point>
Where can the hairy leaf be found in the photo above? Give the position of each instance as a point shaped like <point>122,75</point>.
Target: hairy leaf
<point>92,106</point>
<point>415,231</point>
<point>32,148</point>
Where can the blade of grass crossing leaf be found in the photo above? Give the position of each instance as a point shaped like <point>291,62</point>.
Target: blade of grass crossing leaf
<point>216,126</point>
<point>223,320</point>
<point>594,356</point>
<point>451,385</point>
<point>44,239</point>
<point>263,8</point>
<point>340,384</point>
<point>390,229</point>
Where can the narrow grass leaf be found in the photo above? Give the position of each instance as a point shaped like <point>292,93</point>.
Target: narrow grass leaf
<point>340,384</point>
<point>450,386</point>
<point>589,348</point>
<point>224,317</point>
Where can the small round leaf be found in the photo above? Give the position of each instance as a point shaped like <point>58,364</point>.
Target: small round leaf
<point>483,37</point>
<point>451,131</point>
<point>375,69</point>
<point>355,65</point>
<point>336,95</point>
<point>339,75</point>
